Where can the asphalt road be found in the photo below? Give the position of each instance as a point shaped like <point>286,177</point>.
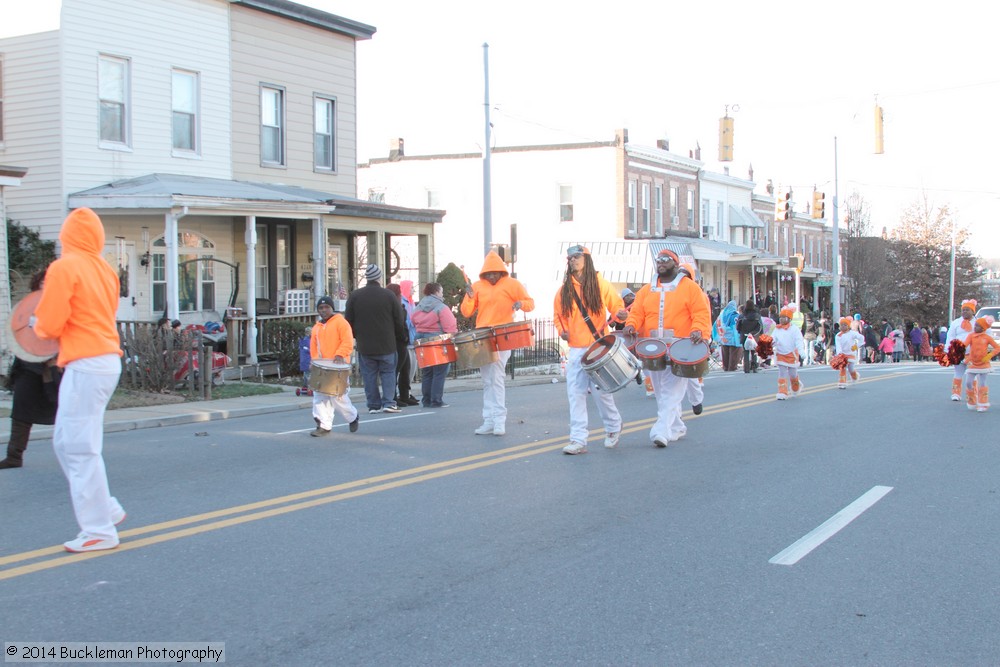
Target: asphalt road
<point>415,542</point>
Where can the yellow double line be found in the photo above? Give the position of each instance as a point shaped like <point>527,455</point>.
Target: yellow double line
<point>233,516</point>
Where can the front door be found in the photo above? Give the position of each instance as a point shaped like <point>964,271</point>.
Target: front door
<point>121,256</point>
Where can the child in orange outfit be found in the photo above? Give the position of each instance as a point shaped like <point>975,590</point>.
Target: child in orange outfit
<point>848,342</point>
<point>980,348</point>
<point>787,343</point>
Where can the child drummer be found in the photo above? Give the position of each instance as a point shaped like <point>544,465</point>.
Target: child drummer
<point>848,342</point>
<point>787,343</point>
<point>980,348</point>
<point>331,339</point>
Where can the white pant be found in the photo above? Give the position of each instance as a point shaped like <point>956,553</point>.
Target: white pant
<point>78,439</point>
<point>577,385</point>
<point>695,391</point>
<point>669,390</point>
<point>325,404</point>
<point>494,391</point>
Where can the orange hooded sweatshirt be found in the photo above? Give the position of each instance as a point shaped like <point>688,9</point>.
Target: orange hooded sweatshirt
<point>333,338</point>
<point>80,294</point>
<point>495,303</point>
<point>685,309</point>
<point>579,332</point>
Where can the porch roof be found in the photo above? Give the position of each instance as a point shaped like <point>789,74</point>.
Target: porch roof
<point>218,196</point>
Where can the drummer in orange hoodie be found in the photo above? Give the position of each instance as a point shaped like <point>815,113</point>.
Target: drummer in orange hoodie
<point>600,300</point>
<point>671,301</point>
<point>331,339</point>
<point>494,298</point>
<point>78,306</point>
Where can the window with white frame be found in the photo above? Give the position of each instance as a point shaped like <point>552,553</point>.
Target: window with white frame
<point>632,213</point>
<point>720,212</point>
<point>1,98</point>
<point>674,213</point>
<point>184,110</point>
<point>690,209</point>
<point>705,221</point>
<point>658,209</point>
<point>260,262</point>
<point>324,122</point>
<point>283,257</point>
<point>195,275</point>
<point>645,209</point>
<point>565,203</point>
<point>272,126</point>
<point>113,93</point>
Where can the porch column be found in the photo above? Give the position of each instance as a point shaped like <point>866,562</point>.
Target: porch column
<point>173,279</point>
<point>425,253</point>
<point>376,255</point>
<point>319,258</point>
<point>250,236</point>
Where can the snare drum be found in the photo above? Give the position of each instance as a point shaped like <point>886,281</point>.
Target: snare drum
<point>435,351</point>
<point>328,377</point>
<point>514,335</point>
<point>689,359</point>
<point>475,348</point>
<point>652,352</point>
<point>609,363</point>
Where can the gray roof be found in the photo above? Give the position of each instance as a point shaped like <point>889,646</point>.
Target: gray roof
<point>310,16</point>
<point>167,191</point>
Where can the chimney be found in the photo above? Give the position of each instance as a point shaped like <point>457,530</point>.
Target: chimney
<point>621,137</point>
<point>697,151</point>
<point>396,149</point>
<point>663,144</point>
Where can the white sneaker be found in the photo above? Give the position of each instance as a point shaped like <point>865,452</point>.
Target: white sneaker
<point>485,429</point>
<point>84,542</point>
<point>956,397</point>
<point>611,439</point>
<point>575,448</point>
<point>498,429</point>
<point>781,397</point>
<point>660,442</point>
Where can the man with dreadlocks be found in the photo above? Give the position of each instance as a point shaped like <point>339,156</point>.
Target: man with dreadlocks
<point>582,307</point>
<point>672,300</point>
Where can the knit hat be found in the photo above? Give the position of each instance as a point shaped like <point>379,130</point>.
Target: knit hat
<point>373,273</point>
<point>626,292</point>
<point>666,254</point>
<point>984,322</point>
<point>786,312</point>
<point>969,303</point>
<point>846,321</point>
<point>324,299</point>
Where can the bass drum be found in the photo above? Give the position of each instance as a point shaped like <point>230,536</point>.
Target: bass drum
<point>328,377</point>
<point>609,363</point>
<point>476,348</point>
<point>514,335</point>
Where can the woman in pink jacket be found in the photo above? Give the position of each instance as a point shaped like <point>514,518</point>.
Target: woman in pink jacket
<point>432,317</point>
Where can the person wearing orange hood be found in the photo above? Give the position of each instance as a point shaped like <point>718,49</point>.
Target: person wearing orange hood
<point>78,306</point>
<point>960,330</point>
<point>583,289</point>
<point>672,300</point>
<point>494,298</point>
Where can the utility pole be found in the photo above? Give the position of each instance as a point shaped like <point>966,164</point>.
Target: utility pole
<point>487,194</point>
<point>835,290</point>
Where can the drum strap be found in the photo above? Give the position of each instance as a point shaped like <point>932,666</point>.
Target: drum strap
<point>586,316</point>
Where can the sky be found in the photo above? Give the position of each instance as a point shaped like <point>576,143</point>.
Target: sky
<point>793,75</point>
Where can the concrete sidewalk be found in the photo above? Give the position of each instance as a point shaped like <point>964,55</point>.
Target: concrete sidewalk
<point>131,419</point>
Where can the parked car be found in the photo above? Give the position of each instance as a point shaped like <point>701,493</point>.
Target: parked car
<point>994,312</point>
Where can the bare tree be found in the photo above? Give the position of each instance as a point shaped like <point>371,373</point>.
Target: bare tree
<point>922,268</point>
<point>867,260</point>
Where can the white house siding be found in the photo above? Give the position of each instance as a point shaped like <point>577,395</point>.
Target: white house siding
<point>525,191</point>
<point>31,112</point>
<point>157,36</point>
<point>305,61</point>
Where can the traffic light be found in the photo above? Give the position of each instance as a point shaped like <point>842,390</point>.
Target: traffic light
<point>504,251</point>
<point>796,261</point>
<point>783,207</point>
<point>726,139</point>
<point>879,148</point>
<point>819,205</point>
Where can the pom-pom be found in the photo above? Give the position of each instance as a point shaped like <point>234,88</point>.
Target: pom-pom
<point>956,352</point>
<point>765,346</point>
<point>839,361</point>
<point>941,357</point>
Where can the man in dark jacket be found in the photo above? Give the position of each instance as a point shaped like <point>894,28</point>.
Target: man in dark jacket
<point>749,324</point>
<point>376,317</point>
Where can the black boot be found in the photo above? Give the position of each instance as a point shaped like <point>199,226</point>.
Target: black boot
<point>19,432</point>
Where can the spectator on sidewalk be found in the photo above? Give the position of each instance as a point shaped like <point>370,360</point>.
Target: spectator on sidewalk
<point>404,371</point>
<point>432,317</point>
